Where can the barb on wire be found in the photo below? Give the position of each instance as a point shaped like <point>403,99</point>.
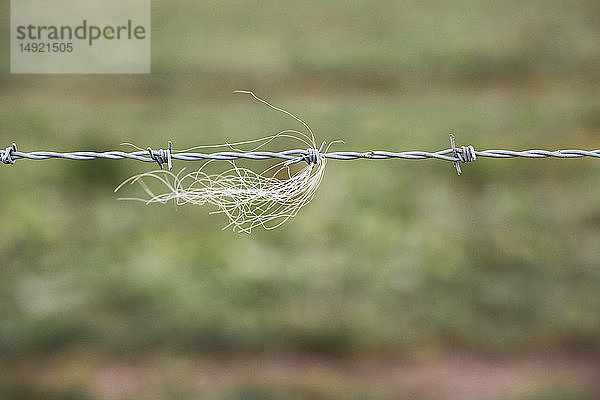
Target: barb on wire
<point>464,154</point>
<point>162,156</point>
<point>312,156</point>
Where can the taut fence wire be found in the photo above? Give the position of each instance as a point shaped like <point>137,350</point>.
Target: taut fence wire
<point>456,155</point>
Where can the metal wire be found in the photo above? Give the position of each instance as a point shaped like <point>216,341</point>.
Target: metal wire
<point>454,154</point>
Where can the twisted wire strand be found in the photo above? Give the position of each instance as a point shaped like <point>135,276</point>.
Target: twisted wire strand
<point>296,155</point>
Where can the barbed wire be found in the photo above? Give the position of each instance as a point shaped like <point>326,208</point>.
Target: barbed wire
<point>454,154</point>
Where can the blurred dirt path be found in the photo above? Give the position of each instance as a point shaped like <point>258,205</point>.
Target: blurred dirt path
<point>461,375</point>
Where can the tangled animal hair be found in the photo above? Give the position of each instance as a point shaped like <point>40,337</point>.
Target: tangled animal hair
<point>248,199</point>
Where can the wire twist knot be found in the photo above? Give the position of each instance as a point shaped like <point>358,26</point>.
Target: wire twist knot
<point>462,154</point>
<point>162,156</point>
<point>8,153</point>
<point>311,156</point>
<point>466,154</point>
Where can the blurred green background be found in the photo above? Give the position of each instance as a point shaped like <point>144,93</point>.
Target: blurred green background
<point>399,280</point>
